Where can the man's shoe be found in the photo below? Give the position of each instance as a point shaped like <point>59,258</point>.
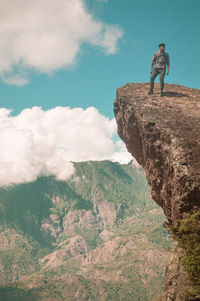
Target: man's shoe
<point>161,93</point>
<point>150,92</point>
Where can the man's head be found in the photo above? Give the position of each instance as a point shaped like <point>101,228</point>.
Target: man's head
<point>162,47</point>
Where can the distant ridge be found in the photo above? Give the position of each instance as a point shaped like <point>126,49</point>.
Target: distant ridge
<point>98,236</point>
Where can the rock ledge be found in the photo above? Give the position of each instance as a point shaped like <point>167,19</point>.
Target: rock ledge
<point>163,134</point>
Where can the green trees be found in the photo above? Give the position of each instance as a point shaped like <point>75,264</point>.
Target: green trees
<point>188,237</point>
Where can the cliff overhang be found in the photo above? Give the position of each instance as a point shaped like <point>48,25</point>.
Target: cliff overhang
<point>163,135</point>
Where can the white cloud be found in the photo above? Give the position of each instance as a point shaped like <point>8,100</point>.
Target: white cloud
<point>120,153</point>
<point>38,142</point>
<point>16,79</point>
<point>47,35</point>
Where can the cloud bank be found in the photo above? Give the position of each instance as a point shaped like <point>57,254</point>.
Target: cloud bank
<point>47,35</point>
<point>38,142</point>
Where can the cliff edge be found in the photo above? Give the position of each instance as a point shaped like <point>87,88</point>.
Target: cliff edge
<point>163,135</point>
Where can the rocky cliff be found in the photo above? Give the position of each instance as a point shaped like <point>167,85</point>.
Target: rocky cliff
<point>163,134</point>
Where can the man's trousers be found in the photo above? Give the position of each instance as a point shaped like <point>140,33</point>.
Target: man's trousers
<point>155,72</point>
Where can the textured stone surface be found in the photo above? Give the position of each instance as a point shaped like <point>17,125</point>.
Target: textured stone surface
<point>163,134</point>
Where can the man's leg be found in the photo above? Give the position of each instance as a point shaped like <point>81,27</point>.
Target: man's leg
<point>162,75</point>
<point>153,76</point>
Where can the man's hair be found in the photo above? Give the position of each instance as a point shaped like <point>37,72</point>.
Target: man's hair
<point>162,44</point>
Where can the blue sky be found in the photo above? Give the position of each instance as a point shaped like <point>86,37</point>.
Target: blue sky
<point>75,54</point>
<point>94,78</point>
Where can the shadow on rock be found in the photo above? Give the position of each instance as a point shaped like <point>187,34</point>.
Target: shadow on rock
<point>174,94</point>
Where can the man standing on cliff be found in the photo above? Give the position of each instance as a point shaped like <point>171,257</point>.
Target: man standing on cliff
<point>161,59</point>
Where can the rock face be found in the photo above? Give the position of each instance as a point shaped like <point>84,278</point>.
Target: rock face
<point>163,134</point>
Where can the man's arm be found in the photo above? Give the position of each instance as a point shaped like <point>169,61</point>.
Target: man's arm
<point>152,62</point>
<point>167,64</point>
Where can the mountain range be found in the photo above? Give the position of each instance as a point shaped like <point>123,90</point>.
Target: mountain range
<point>97,236</point>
